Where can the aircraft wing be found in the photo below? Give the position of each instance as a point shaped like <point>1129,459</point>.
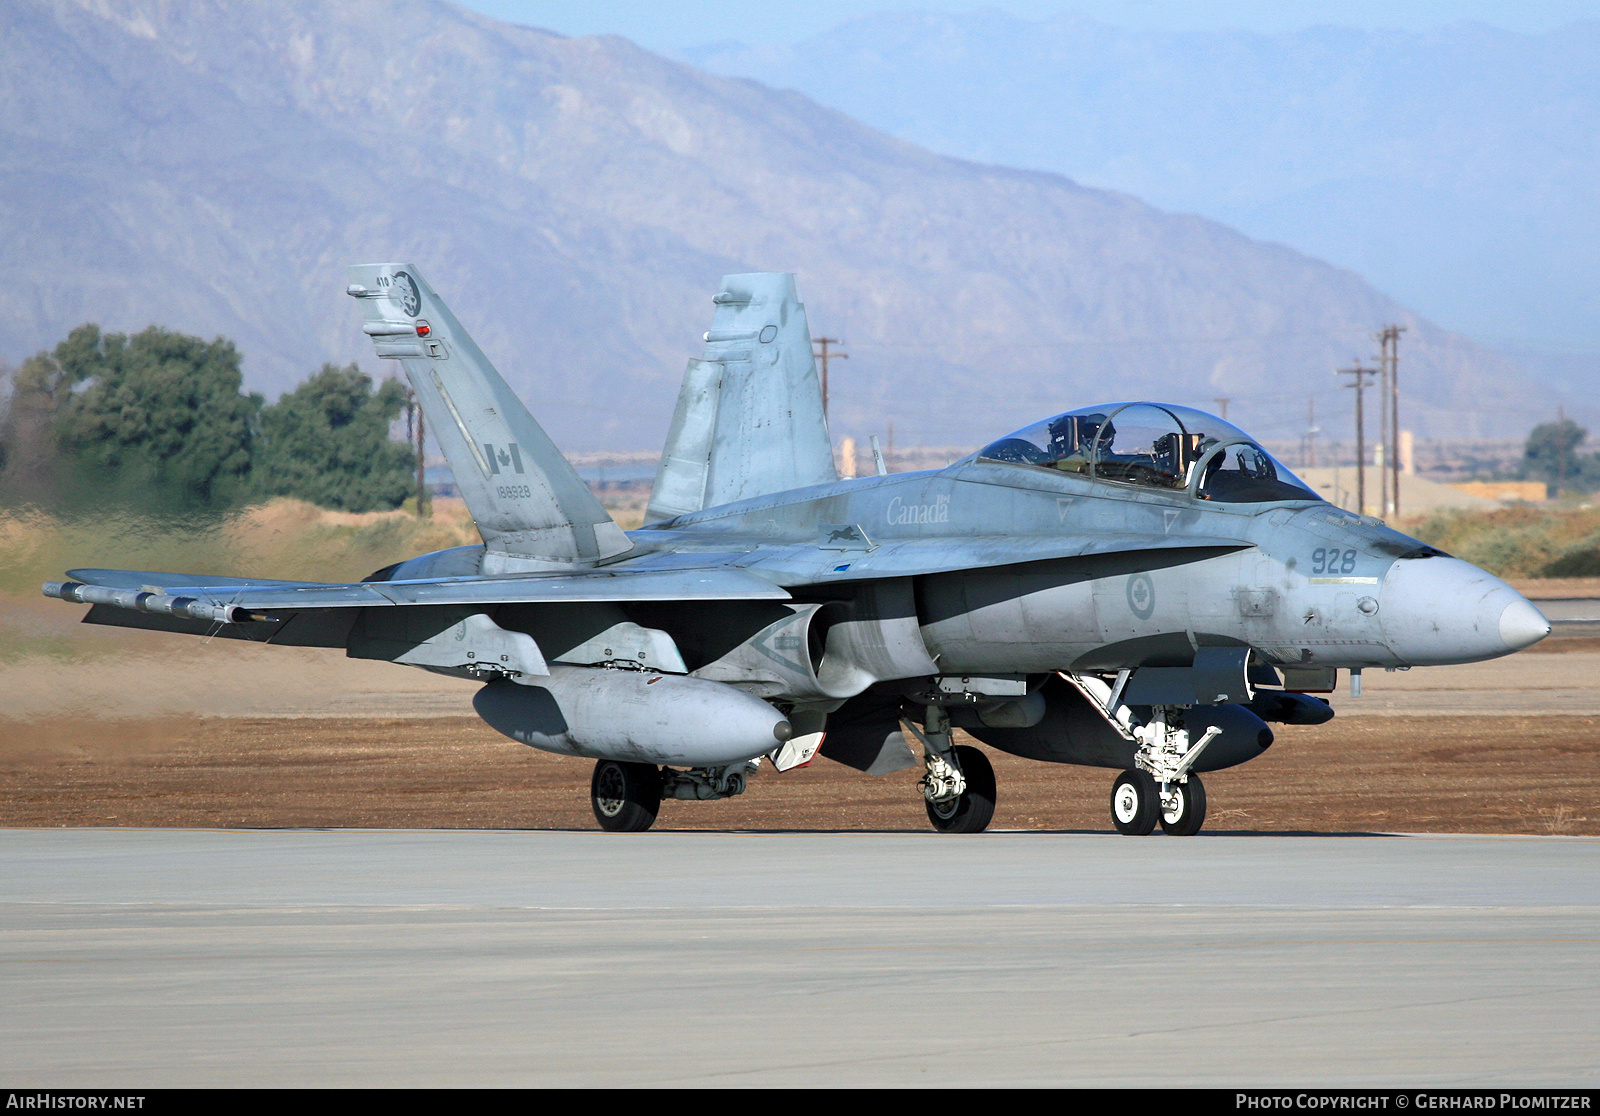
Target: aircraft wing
<point>705,584</point>
<point>857,558</point>
<point>315,614</point>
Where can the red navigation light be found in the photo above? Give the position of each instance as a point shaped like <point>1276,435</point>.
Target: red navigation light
<point>423,329</point>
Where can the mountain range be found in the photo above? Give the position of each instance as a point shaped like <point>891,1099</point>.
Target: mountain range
<point>211,165</point>
<point>1456,168</point>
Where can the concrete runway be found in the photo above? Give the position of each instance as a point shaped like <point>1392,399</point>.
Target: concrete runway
<point>143,958</point>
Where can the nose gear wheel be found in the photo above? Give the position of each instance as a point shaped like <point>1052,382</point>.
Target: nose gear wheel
<point>1135,801</point>
<point>1183,809</point>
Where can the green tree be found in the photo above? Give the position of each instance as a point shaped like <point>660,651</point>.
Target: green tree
<point>327,441</point>
<point>155,421</point>
<point>27,429</point>
<point>1551,455</point>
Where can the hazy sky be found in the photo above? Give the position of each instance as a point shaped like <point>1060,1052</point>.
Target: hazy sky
<point>1380,239</point>
<point>666,26</point>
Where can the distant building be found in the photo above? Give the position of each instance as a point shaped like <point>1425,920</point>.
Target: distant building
<point>1418,496</point>
<point>1507,492</point>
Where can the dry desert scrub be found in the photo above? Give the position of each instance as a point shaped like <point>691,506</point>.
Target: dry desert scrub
<point>1519,542</point>
<point>287,539</point>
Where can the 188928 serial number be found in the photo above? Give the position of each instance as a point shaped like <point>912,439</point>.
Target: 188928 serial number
<point>513,492</point>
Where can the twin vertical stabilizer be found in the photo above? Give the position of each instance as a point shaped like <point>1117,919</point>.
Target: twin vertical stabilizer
<point>749,419</point>
<point>524,496</point>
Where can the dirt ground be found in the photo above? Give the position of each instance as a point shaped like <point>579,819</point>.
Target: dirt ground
<point>1372,774</point>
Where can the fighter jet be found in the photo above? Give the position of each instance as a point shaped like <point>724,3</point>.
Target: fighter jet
<point>1135,586</point>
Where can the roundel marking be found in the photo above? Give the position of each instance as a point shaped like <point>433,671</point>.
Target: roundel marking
<point>1141,596</point>
<point>404,291</point>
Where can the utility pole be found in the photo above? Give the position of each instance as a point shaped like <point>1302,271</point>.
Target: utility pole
<point>1311,433</point>
<point>1222,402</point>
<point>1383,429</point>
<point>412,406</point>
<point>1360,384</point>
<point>1561,453</point>
<point>1389,337</point>
<point>414,430</point>
<point>825,356</point>
<point>424,505</point>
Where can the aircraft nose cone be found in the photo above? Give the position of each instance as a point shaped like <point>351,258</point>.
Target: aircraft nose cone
<point>1522,625</point>
<point>1443,610</point>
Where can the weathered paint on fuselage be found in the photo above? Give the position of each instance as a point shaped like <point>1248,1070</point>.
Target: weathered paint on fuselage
<point>1302,582</point>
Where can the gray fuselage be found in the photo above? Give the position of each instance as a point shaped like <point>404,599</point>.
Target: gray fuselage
<point>1302,582</point>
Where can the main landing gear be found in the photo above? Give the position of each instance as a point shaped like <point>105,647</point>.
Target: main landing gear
<point>958,781</point>
<point>626,797</point>
<point>972,809</point>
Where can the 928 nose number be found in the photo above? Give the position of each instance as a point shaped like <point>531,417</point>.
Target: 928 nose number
<point>1329,560</point>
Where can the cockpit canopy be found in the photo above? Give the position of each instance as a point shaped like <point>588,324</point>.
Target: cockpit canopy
<point>1156,445</point>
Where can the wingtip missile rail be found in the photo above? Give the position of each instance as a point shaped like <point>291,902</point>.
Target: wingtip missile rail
<point>137,600</point>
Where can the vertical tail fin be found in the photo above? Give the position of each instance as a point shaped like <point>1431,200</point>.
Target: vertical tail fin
<point>525,497</point>
<point>749,420</point>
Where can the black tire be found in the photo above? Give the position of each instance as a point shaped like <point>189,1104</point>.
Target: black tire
<point>974,810</point>
<point>626,796</point>
<point>1191,813</point>
<point>1135,803</point>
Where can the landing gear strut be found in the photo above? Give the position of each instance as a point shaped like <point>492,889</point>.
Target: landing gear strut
<point>1160,786</point>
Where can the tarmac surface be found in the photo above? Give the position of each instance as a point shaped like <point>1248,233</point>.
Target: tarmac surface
<point>147,958</point>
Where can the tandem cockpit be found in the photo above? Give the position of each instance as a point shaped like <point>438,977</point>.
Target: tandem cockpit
<point>1154,445</point>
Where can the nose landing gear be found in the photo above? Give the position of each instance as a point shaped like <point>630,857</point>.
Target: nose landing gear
<point>1138,802</point>
<point>1161,787</point>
